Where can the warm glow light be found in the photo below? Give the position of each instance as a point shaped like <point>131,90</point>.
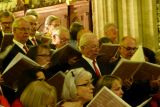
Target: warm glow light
<point>26,2</point>
<point>68,2</point>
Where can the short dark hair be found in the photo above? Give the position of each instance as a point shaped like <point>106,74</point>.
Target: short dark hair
<point>104,40</point>
<point>6,14</point>
<point>74,29</point>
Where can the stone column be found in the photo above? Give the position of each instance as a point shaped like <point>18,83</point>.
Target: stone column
<point>98,17</point>
<point>137,18</point>
<point>129,19</point>
<point>149,24</point>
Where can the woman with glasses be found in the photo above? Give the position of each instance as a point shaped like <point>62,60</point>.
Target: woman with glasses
<point>77,88</point>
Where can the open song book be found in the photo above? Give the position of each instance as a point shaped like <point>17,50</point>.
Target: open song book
<point>106,98</point>
<point>63,54</point>
<point>57,81</point>
<point>14,70</point>
<point>138,70</point>
<point>109,50</point>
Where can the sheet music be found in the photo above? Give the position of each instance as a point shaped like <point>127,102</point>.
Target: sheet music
<point>106,98</point>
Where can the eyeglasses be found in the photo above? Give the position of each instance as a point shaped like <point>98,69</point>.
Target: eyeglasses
<point>130,48</point>
<point>86,84</point>
<point>6,23</point>
<point>23,29</point>
<point>33,24</point>
<point>92,46</point>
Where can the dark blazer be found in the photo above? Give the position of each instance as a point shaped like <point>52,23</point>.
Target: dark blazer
<point>1,37</point>
<point>13,52</point>
<point>83,63</point>
<point>138,92</point>
<point>8,92</point>
<point>31,44</point>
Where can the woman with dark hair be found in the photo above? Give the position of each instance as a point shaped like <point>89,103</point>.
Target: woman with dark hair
<point>149,55</point>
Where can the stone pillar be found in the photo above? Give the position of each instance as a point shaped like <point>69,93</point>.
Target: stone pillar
<point>149,24</point>
<point>98,17</point>
<point>137,18</point>
<point>129,19</point>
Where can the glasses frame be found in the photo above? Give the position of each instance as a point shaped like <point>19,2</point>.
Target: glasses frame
<point>130,48</point>
<point>86,84</point>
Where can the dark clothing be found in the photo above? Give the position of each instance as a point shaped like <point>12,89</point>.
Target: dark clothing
<point>1,37</point>
<point>29,42</point>
<point>8,93</point>
<point>83,63</point>
<point>13,52</point>
<point>138,92</point>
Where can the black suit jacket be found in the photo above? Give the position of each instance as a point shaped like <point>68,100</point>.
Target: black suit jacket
<point>1,37</point>
<point>83,63</point>
<point>8,92</point>
<point>29,43</point>
<point>13,52</point>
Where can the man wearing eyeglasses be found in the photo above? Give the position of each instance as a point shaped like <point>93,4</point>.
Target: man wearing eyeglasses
<point>6,20</point>
<point>126,50</point>
<point>127,47</point>
<point>21,31</point>
<point>89,47</point>
<point>136,91</point>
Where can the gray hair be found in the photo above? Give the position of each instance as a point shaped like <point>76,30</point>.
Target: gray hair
<point>50,19</point>
<point>17,21</point>
<point>127,38</point>
<point>85,39</point>
<point>69,91</point>
<point>61,29</point>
